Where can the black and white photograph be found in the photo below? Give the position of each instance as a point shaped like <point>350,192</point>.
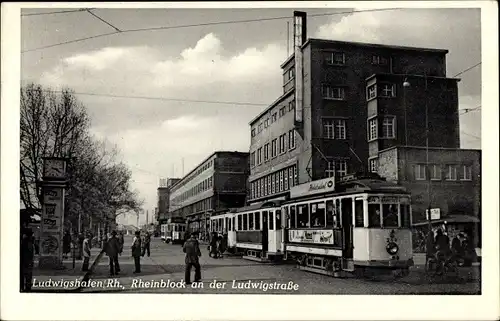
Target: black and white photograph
<point>304,152</point>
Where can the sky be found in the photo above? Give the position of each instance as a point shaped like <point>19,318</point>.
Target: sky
<point>213,78</point>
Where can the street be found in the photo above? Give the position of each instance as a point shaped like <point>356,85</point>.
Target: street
<point>163,272</point>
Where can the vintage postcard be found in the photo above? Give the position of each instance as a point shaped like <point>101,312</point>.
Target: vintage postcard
<point>283,156</point>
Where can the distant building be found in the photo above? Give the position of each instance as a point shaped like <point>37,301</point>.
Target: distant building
<point>163,198</point>
<point>216,184</point>
<point>450,185</point>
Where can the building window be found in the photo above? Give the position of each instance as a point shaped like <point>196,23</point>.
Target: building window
<point>266,123</point>
<point>274,150</point>
<point>282,111</point>
<point>465,173</point>
<point>419,172</point>
<point>260,128</point>
<point>291,105</point>
<point>332,92</point>
<point>341,168</point>
<point>269,184</point>
<point>274,117</point>
<point>379,60</point>
<point>290,177</point>
<point>372,129</point>
<point>291,139</point>
<point>253,132</point>
<point>335,58</point>
<point>388,127</point>
<point>259,156</point>
<point>387,90</point>
<point>435,172</point>
<point>282,143</point>
<point>371,92</point>
<point>252,159</point>
<point>451,173</point>
<point>373,165</point>
<point>334,128</point>
<point>285,178</point>
<point>281,181</point>
<point>273,184</point>
<point>266,152</point>
<point>295,178</point>
<point>330,169</point>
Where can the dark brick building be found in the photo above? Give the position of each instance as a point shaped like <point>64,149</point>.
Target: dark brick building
<point>216,184</point>
<point>351,105</point>
<point>162,210</point>
<point>451,183</point>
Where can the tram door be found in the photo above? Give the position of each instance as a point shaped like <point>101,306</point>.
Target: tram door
<point>274,234</point>
<point>347,227</point>
<point>265,232</point>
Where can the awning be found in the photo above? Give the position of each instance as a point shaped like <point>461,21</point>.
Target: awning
<point>454,218</point>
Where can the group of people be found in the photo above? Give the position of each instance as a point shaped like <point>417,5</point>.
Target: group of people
<point>218,245</point>
<point>441,249</point>
<point>114,248</point>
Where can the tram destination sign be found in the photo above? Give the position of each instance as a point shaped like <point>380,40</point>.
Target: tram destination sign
<point>315,187</point>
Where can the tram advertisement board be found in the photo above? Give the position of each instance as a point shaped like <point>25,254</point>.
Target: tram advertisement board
<point>314,187</point>
<point>311,236</point>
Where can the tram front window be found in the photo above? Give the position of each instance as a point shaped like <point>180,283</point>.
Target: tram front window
<point>257,221</point>
<point>278,219</point>
<point>250,221</point>
<point>373,215</point>
<point>390,215</point>
<point>405,215</point>
<point>303,216</point>
<point>292,217</point>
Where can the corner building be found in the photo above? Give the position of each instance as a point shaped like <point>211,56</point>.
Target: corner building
<point>344,103</point>
<point>215,185</point>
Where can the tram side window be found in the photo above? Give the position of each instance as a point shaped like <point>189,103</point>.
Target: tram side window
<point>233,219</point>
<point>250,221</point>
<point>303,215</point>
<point>271,221</point>
<point>257,221</point>
<point>228,224</point>
<point>293,220</point>
<point>245,222</point>
<point>318,214</point>
<point>390,215</point>
<point>358,214</point>
<point>329,214</point>
<point>240,225</point>
<point>373,215</point>
<point>226,221</point>
<point>278,219</point>
<point>405,215</point>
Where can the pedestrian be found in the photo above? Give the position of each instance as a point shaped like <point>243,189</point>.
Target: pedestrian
<point>112,250</point>
<point>81,237</point>
<point>86,252</point>
<point>147,244</point>
<point>192,250</point>
<point>27,259</point>
<point>66,244</point>
<point>213,245</point>
<point>122,242</point>
<point>136,251</point>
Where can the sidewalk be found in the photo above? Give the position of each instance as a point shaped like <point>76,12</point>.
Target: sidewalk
<point>65,280</point>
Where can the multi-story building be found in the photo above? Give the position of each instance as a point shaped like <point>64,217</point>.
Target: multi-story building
<point>342,102</point>
<point>216,184</point>
<point>446,180</point>
<point>162,211</point>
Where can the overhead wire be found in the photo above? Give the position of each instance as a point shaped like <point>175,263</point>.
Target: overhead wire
<point>51,12</point>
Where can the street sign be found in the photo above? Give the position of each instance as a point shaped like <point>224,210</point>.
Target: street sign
<point>435,214</point>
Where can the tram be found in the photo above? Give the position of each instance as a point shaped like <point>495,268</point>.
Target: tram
<point>355,226</point>
<point>173,232</point>
<point>224,224</point>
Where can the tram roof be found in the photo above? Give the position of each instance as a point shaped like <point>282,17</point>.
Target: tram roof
<point>370,185</point>
<point>257,206</point>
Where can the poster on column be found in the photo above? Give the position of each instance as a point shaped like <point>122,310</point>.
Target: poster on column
<point>52,218</point>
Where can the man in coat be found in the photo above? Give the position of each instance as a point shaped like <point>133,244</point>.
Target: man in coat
<point>86,252</point>
<point>136,251</point>
<point>147,244</point>
<point>27,260</point>
<point>192,249</point>
<point>112,250</point>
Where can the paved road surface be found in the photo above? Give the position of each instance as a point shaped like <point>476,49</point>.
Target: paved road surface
<point>167,264</point>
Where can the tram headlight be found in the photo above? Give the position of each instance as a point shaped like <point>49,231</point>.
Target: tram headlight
<point>392,248</point>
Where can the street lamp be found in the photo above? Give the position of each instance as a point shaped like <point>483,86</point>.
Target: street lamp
<point>406,84</point>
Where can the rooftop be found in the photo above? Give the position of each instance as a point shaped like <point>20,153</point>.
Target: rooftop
<point>274,103</point>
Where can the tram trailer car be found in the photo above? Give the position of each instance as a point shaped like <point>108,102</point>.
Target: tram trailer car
<point>173,232</point>
<point>259,232</point>
<point>224,224</point>
<point>360,227</point>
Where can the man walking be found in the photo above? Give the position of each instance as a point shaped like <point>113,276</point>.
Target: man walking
<point>192,250</point>
<point>122,242</point>
<point>147,243</point>
<point>112,250</point>
<point>86,253</point>
<point>136,251</point>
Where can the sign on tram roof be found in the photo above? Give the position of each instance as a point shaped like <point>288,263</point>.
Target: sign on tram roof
<point>315,187</point>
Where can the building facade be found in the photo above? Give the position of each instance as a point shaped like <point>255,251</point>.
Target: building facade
<point>449,183</point>
<point>163,199</point>
<point>346,102</point>
<point>216,184</point>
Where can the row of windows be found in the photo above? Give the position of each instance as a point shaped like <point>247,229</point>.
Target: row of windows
<point>336,168</point>
<point>274,117</point>
<point>200,170</point>
<point>277,182</point>
<point>388,128</point>
<point>334,128</point>
<point>273,149</point>
<point>200,187</point>
<point>252,221</point>
<point>337,58</point>
<point>384,90</point>
<point>451,172</point>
